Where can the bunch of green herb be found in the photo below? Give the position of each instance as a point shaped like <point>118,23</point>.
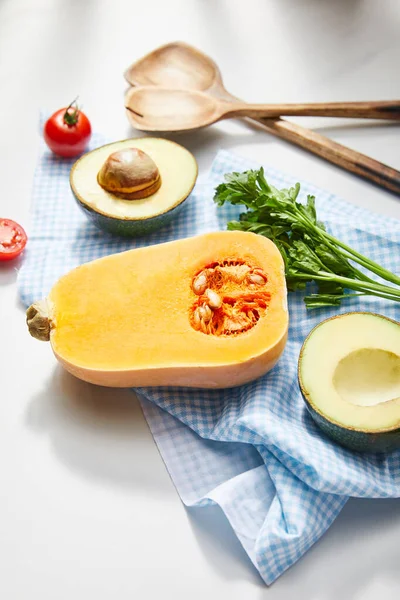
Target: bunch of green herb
<point>310,253</point>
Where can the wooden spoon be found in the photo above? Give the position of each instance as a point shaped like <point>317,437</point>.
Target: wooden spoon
<point>181,66</point>
<point>166,109</point>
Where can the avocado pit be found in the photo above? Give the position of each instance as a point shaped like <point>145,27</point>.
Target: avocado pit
<point>130,174</point>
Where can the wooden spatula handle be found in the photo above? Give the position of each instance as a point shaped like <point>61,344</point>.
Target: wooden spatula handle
<point>340,155</point>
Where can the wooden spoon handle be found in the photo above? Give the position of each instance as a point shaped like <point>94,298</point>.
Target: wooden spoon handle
<point>340,155</point>
<point>336,153</point>
<point>389,110</point>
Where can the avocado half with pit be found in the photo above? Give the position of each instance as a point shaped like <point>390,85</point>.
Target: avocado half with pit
<point>135,186</point>
<point>349,376</point>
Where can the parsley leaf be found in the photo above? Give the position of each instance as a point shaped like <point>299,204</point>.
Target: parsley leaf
<point>310,253</point>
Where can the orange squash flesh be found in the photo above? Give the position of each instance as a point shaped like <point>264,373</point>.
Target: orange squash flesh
<point>126,319</point>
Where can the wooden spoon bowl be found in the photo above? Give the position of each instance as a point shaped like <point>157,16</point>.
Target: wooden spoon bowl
<point>175,65</point>
<point>158,109</point>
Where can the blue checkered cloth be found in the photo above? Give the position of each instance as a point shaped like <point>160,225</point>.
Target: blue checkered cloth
<point>253,450</point>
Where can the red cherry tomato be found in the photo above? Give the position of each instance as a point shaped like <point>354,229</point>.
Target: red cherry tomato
<point>68,131</point>
<point>12,239</point>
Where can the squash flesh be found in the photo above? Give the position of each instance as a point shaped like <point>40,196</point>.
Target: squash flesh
<point>128,315</point>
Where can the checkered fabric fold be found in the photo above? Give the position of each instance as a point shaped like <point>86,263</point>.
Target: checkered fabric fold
<point>252,450</point>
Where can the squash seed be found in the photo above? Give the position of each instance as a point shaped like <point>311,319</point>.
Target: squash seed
<point>256,278</point>
<point>261,273</point>
<point>205,313</point>
<point>199,284</point>
<point>197,318</point>
<point>214,300</point>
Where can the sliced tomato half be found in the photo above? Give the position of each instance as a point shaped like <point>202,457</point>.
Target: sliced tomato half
<point>12,239</point>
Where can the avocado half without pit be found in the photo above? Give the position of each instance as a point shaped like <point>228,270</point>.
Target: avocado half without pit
<point>349,376</point>
<point>134,187</point>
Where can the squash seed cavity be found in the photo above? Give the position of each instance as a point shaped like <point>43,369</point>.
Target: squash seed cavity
<point>231,297</point>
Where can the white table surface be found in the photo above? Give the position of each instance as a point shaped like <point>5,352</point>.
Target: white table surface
<point>87,509</point>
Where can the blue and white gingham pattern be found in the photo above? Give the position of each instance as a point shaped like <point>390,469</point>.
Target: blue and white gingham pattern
<point>252,450</point>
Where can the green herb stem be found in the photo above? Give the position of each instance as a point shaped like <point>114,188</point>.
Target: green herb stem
<point>333,244</point>
<point>376,289</point>
<point>336,245</point>
<point>364,261</point>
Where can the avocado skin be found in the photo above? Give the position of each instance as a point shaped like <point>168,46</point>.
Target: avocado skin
<point>360,441</point>
<point>130,227</point>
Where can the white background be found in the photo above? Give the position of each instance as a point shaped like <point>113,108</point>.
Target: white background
<point>87,509</point>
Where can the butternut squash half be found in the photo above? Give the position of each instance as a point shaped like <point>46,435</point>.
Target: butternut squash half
<point>208,311</point>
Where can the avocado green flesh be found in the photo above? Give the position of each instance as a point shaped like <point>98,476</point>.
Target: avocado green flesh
<point>178,171</point>
<point>349,373</point>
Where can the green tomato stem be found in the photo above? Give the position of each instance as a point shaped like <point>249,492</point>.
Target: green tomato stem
<point>69,118</point>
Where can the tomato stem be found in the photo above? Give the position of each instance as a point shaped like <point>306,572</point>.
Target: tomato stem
<point>71,119</point>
